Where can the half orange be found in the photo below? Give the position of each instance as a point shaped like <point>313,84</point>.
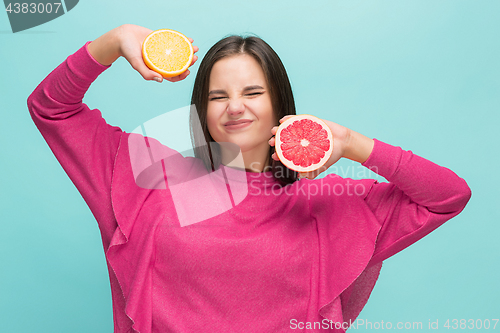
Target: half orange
<point>167,52</point>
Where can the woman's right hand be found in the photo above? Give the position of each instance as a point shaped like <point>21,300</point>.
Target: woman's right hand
<point>126,41</point>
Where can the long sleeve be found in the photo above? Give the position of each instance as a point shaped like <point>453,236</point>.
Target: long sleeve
<point>360,223</point>
<point>419,197</point>
<point>83,143</point>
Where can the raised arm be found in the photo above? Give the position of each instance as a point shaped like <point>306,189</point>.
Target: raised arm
<point>419,197</point>
<point>126,41</point>
<point>81,140</point>
<point>79,137</point>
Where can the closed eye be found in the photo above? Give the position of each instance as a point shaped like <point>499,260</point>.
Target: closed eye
<point>250,94</point>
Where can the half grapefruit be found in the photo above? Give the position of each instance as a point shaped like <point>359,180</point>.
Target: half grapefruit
<point>303,143</point>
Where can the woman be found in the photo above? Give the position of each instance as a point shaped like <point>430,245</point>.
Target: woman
<point>276,258</point>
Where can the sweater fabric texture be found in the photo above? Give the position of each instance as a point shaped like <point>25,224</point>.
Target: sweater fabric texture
<point>233,251</point>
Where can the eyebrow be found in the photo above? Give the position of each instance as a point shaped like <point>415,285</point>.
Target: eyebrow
<point>247,88</point>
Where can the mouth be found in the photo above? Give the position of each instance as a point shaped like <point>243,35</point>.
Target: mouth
<point>237,124</point>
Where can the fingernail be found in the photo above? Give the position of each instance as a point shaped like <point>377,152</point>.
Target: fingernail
<point>157,79</point>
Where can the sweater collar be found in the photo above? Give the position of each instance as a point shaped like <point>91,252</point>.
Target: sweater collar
<point>259,179</point>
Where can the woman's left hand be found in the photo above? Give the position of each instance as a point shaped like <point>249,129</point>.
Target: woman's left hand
<point>346,143</point>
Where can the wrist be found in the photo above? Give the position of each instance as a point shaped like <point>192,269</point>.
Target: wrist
<point>106,48</point>
<point>358,147</point>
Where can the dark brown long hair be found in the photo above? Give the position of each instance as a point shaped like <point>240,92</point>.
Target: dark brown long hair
<point>279,87</point>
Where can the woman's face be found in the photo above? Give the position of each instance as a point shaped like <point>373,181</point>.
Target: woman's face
<point>239,105</point>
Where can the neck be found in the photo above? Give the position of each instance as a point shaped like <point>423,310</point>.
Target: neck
<point>255,160</point>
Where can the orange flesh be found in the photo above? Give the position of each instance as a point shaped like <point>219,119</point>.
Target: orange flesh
<point>167,52</point>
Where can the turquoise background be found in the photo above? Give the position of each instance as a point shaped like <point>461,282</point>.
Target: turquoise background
<point>423,75</point>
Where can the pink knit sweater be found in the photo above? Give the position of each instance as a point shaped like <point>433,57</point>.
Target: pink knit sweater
<point>271,260</point>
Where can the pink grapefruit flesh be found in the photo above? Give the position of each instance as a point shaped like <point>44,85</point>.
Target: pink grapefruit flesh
<point>304,143</point>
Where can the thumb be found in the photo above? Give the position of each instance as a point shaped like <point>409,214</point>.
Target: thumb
<point>148,74</point>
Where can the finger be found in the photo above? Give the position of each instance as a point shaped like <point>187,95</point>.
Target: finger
<point>172,79</point>
<point>275,157</point>
<point>194,60</point>
<point>178,77</point>
<point>184,75</point>
<point>146,73</point>
<point>181,76</point>
<point>272,141</point>
<point>195,48</point>
<point>274,130</point>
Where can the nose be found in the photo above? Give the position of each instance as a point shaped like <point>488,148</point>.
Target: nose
<point>235,107</point>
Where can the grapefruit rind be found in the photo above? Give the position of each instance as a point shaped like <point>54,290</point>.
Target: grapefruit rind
<point>156,67</point>
<point>280,141</point>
